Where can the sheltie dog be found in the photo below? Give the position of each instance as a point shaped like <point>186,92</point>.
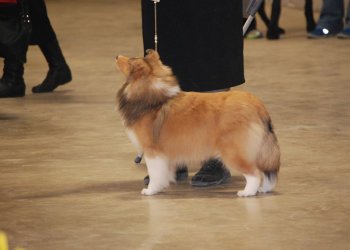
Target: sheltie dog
<point>173,127</point>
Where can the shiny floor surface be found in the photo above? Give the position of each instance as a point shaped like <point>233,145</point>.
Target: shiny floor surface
<point>67,176</point>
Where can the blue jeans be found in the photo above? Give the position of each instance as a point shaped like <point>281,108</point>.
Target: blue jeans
<point>332,14</point>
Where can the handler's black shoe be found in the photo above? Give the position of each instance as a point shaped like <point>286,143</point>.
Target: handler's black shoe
<point>181,174</point>
<point>56,76</point>
<point>213,172</point>
<point>12,90</point>
<point>59,71</point>
<point>12,83</point>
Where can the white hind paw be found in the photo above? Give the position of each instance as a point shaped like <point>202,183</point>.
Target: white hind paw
<point>148,191</point>
<point>268,184</point>
<point>244,193</point>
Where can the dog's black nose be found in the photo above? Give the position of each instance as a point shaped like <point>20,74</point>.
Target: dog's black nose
<point>116,58</point>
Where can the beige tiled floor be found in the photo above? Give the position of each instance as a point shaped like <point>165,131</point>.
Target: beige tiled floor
<point>67,177</point>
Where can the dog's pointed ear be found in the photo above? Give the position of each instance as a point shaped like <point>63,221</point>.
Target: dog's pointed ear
<point>152,55</point>
<point>123,64</point>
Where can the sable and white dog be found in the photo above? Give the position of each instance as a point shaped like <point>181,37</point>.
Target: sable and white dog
<point>173,127</point>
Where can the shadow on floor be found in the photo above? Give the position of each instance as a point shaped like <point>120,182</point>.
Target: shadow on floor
<point>130,190</point>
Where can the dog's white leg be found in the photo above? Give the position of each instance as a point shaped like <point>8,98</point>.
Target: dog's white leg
<point>172,176</point>
<point>252,186</point>
<point>268,184</point>
<point>159,175</point>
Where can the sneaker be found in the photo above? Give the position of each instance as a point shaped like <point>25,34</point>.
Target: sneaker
<point>345,33</point>
<point>320,32</point>
<point>254,34</point>
<point>213,172</point>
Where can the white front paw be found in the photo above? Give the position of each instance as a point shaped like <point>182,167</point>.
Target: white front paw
<point>244,193</point>
<point>149,191</point>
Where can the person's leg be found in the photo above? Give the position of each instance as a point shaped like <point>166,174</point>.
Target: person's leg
<point>252,26</point>
<point>59,72</point>
<point>347,20</point>
<point>44,35</point>
<point>309,15</point>
<point>331,16</point>
<point>252,32</point>
<point>345,33</point>
<point>12,83</point>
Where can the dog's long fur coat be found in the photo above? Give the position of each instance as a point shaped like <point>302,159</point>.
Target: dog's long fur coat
<point>173,127</point>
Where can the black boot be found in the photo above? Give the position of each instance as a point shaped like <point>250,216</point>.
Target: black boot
<point>59,72</point>
<point>12,83</point>
<point>213,172</point>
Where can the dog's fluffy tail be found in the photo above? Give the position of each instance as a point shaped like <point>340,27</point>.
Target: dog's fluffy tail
<point>268,159</point>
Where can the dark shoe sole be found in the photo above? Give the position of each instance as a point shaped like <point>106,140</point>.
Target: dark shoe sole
<point>13,93</point>
<point>50,84</point>
<point>40,89</point>
<point>212,183</point>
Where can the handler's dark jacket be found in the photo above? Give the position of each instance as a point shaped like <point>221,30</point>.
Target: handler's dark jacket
<point>200,39</point>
